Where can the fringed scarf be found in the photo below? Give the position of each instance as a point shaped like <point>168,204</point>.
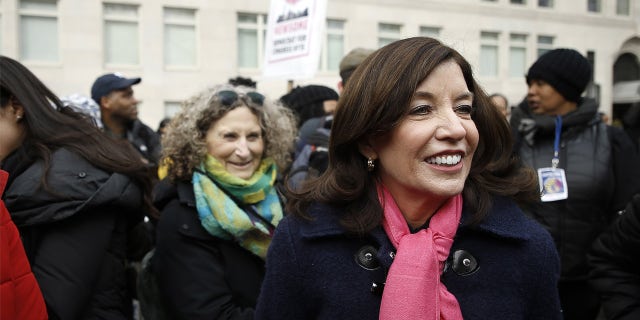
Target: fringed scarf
<point>413,289</point>
<point>222,217</point>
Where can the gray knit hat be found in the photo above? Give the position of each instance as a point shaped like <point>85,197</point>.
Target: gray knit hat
<point>566,70</point>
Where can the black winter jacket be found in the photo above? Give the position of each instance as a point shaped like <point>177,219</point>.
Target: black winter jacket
<point>143,139</point>
<point>200,276</point>
<point>75,233</point>
<point>602,172</point>
<point>615,259</point>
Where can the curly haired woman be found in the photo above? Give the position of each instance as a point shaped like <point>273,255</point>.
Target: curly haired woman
<point>219,203</point>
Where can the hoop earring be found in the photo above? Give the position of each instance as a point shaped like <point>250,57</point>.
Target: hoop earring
<point>370,165</point>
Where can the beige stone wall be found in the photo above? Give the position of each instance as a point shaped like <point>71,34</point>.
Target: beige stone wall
<point>81,28</point>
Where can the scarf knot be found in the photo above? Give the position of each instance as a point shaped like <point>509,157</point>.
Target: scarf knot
<point>413,289</point>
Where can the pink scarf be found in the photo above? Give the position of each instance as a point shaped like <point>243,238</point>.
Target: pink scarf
<point>413,289</point>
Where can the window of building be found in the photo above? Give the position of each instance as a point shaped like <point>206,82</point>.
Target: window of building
<point>171,108</point>
<point>252,31</point>
<point>622,7</point>
<point>335,44</point>
<point>121,44</point>
<point>545,3</point>
<point>388,32</point>
<point>518,1</point>
<point>594,5</point>
<point>545,43</point>
<point>333,50</point>
<point>0,30</point>
<point>179,37</point>
<point>591,57</point>
<point>593,89</point>
<point>432,32</point>
<point>489,54</point>
<point>39,30</point>
<point>517,54</point>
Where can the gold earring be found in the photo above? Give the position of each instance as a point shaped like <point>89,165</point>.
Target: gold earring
<point>370,165</point>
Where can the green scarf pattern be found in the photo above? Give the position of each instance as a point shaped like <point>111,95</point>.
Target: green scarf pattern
<point>222,217</point>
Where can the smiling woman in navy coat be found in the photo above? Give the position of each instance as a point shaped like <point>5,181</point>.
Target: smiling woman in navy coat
<point>416,216</point>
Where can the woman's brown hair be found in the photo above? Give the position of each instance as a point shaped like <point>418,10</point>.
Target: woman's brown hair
<point>376,101</point>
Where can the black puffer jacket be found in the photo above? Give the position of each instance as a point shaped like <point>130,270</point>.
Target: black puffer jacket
<point>602,172</point>
<point>615,259</point>
<point>75,233</point>
<point>200,276</point>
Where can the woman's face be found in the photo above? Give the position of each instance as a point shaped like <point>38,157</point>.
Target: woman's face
<point>236,141</point>
<point>429,154</point>
<point>544,99</point>
<point>11,129</point>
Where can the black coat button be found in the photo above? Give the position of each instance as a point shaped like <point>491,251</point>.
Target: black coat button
<point>366,258</point>
<point>377,288</point>
<point>464,263</point>
<point>82,174</point>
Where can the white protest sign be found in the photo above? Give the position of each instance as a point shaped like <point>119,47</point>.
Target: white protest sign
<point>294,38</point>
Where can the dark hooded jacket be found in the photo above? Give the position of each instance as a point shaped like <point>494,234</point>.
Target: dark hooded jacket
<point>602,172</point>
<point>74,232</point>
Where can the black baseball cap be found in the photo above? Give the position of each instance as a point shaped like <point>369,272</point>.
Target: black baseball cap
<point>109,82</point>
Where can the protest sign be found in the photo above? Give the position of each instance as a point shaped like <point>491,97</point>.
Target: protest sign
<point>294,38</point>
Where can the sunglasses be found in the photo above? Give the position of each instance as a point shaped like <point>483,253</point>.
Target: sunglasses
<point>229,97</point>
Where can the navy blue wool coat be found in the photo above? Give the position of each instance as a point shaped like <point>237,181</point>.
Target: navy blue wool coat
<point>506,267</point>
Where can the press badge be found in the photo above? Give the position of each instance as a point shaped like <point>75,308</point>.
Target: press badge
<point>553,183</point>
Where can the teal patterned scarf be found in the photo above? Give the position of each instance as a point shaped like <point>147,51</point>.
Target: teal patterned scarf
<point>222,217</point>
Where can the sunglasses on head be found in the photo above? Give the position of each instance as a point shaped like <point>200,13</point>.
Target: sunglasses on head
<point>229,97</point>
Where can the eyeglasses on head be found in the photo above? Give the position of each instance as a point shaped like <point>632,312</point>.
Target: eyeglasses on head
<point>229,97</point>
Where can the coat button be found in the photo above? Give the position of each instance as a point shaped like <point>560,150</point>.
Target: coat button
<point>464,263</point>
<point>377,288</point>
<point>82,174</point>
<point>366,258</point>
<point>392,255</point>
<point>185,226</point>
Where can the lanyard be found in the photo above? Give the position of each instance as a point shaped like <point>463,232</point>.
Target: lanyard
<point>556,143</point>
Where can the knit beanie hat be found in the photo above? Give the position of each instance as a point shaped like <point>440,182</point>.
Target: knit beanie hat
<point>566,70</point>
<point>307,101</point>
<point>301,97</point>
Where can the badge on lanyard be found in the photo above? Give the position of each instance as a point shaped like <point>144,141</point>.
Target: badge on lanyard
<point>553,181</point>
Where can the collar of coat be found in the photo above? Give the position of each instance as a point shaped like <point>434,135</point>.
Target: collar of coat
<point>505,220</point>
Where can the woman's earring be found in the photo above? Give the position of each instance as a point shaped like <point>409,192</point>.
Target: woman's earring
<point>370,165</point>
<point>18,117</point>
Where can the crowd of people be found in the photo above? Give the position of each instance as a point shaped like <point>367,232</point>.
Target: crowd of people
<point>407,193</point>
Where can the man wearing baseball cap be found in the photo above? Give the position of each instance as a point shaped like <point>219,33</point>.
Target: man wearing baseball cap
<point>350,62</point>
<point>119,111</point>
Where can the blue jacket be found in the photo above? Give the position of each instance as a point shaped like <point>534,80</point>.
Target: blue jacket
<point>313,269</point>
